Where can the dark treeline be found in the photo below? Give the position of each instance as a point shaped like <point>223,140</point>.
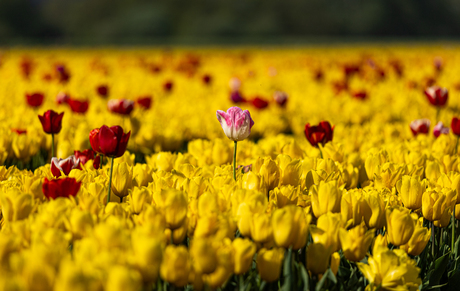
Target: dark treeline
<point>119,21</point>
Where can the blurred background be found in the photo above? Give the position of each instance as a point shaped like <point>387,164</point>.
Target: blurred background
<point>150,22</point>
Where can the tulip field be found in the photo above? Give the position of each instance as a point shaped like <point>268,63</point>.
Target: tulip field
<point>322,168</point>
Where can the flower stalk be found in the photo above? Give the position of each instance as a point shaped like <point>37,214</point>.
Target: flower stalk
<point>110,181</point>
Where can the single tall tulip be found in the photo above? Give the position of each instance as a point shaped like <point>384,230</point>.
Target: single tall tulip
<point>319,134</point>
<point>111,142</point>
<point>437,97</point>
<point>60,188</point>
<point>64,165</point>
<point>400,225</point>
<point>410,191</point>
<point>237,125</point>
<point>52,124</point>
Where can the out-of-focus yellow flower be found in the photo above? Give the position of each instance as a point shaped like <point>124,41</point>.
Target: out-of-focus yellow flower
<point>262,230</point>
<point>352,207</point>
<point>419,239</point>
<point>122,179</point>
<point>451,180</point>
<point>80,223</point>
<point>33,186</point>
<point>318,257</point>
<point>335,263</point>
<point>400,225</point>
<point>373,162</point>
<point>268,169</point>
<point>243,252</point>
<point>410,191</point>
<point>374,210</point>
<point>325,197</point>
<point>269,263</point>
<point>174,204</point>
<point>290,170</point>
<point>436,203</point>
<point>147,257</point>
<point>175,268</point>
<point>165,161</point>
<point>224,267</point>
<point>356,242</point>
<point>16,205</point>
<point>285,195</point>
<point>204,257</point>
<point>252,181</point>
<point>123,278</point>
<point>389,272</point>
<point>390,173</point>
<point>290,227</point>
<point>142,175</point>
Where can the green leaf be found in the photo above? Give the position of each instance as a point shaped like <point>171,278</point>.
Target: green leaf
<point>439,269</point>
<point>454,282</point>
<point>287,271</point>
<point>305,278</point>
<point>323,280</point>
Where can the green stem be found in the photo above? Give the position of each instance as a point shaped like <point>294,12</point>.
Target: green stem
<point>172,237</point>
<point>52,145</point>
<point>110,180</point>
<point>453,229</point>
<point>241,283</point>
<point>234,161</point>
<point>438,111</point>
<point>432,239</point>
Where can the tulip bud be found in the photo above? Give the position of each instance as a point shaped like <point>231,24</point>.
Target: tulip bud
<point>319,134</point>
<point>410,191</point>
<point>269,263</point>
<point>236,123</point>
<point>356,242</point>
<point>51,121</point>
<point>400,225</point>
<point>244,251</point>
<point>122,179</point>
<point>455,126</point>
<point>352,207</point>
<point>437,95</point>
<point>109,141</point>
<point>420,126</point>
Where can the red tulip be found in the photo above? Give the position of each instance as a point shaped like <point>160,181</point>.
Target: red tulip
<point>35,99</point>
<point>19,131</point>
<point>86,155</point>
<point>280,98</point>
<point>236,97</point>
<point>455,126</point>
<point>78,106</point>
<point>66,187</point>
<point>207,79</point>
<point>121,106</point>
<point>51,121</point>
<point>144,102</point>
<point>259,103</point>
<point>420,126</point>
<point>321,133</point>
<point>440,129</point>
<point>26,67</point>
<point>64,165</point>
<point>168,86</point>
<point>103,91</point>
<point>362,95</point>
<point>109,141</point>
<point>62,73</point>
<point>437,95</point>
<point>62,97</point>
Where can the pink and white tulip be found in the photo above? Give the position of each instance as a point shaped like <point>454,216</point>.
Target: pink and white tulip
<point>64,165</point>
<point>236,123</point>
<point>420,126</point>
<point>440,129</point>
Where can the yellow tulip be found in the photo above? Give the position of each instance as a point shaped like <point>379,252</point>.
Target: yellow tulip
<point>419,239</point>
<point>174,204</point>
<point>269,263</point>
<point>290,225</point>
<point>268,169</point>
<point>435,203</point>
<point>400,225</point>
<point>410,191</point>
<point>253,181</point>
<point>352,207</point>
<point>243,253</point>
<point>433,171</point>
<point>262,230</point>
<point>165,161</point>
<point>16,205</point>
<point>318,257</point>
<point>285,195</point>
<point>374,210</point>
<point>175,268</point>
<point>123,278</point>
<point>139,197</point>
<point>373,162</point>
<point>389,174</point>
<point>356,242</point>
<point>224,267</point>
<point>80,223</point>
<point>142,175</point>
<point>148,253</point>
<point>326,231</point>
<point>122,179</point>
<point>204,257</point>
<point>325,197</point>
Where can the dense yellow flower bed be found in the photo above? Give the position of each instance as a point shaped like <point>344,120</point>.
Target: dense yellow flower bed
<point>358,211</point>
